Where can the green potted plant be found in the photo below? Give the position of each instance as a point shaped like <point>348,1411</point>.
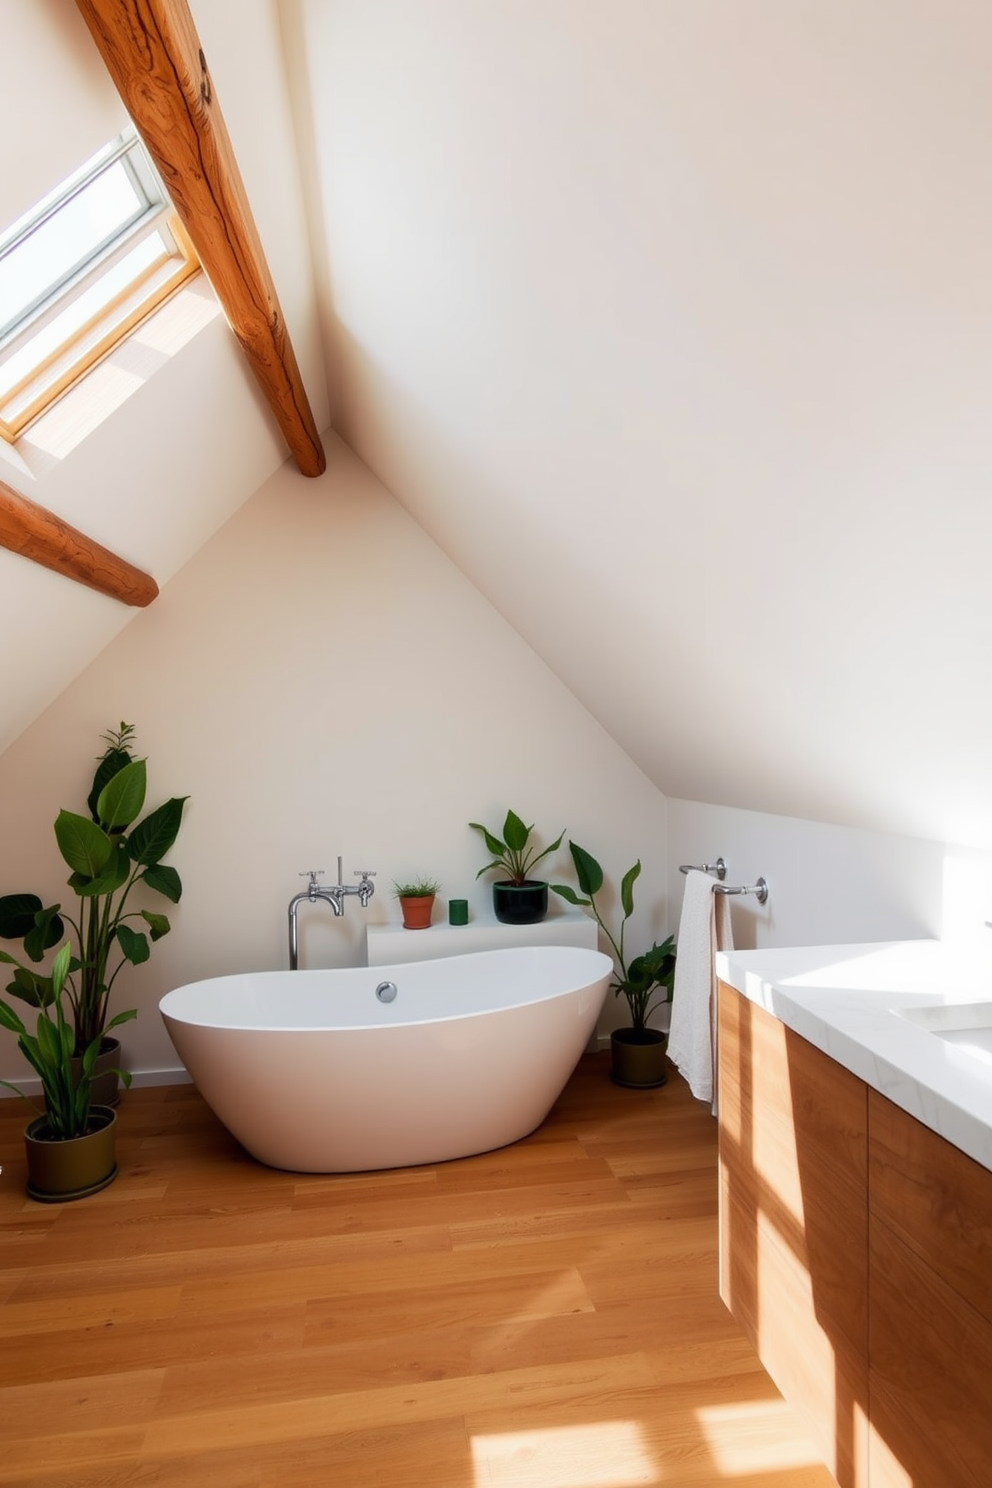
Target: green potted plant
<point>110,853</point>
<point>70,1146</point>
<point>416,898</point>
<point>518,898</point>
<point>646,981</point>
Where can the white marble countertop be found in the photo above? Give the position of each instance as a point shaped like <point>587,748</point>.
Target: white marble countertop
<point>888,1012</point>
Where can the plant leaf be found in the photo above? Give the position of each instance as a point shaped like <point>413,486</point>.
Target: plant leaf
<point>164,880</point>
<point>35,990</point>
<point>46,931</point>
<point>493,844</point>
<point>114,874</point>
<point>49,1043</point>
<point>9,1019</point>
<point>60,970</point>
<point>157,924</point>
<point>17,912</point>
<point>133,944</point>
<point>121,800</point>
<point>568,893</point>
<point>84,845</point>
<point>515,834</point>
<point>110,763</point>
<point>627,889</point>
<point>587,870</point>
<point>120,1018</point>
<point>151,839</point>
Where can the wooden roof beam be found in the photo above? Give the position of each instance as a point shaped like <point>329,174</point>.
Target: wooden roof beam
<point>40,535</point>
<point>153,53</point>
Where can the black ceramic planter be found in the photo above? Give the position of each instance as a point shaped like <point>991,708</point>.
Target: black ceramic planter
<point>638,1058</point>
<point>520,904</point>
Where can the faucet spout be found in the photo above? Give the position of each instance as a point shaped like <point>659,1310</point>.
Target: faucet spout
<point>332,894</point>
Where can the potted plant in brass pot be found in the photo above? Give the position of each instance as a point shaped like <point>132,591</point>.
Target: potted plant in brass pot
<point>518,897</point>
<point>416,896</point>
<point>646,981</point>
<point>70,1146</point>
<point>111,855</point>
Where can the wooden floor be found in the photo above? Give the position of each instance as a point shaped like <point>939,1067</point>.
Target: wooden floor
<point>545,1316</point>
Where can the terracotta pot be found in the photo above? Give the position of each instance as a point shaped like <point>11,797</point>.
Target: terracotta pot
<point>520,904</point>
<point>417,910</point>
<point>62,1170</point>
<point>638,1058</point>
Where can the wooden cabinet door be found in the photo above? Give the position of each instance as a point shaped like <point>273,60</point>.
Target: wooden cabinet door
<point>930,1318</point>
<point>794,1224</point>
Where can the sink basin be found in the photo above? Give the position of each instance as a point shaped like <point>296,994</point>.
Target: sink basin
<point>967,1025</point>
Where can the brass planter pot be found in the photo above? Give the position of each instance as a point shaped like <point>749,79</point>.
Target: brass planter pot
<point>638,1058</point>
<point>62,1170</point>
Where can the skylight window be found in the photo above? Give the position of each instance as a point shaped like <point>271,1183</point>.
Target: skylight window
<point>79,272</point>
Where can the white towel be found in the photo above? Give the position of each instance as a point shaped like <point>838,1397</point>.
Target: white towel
<point>704,929</point>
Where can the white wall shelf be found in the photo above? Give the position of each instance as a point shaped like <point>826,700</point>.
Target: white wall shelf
<point>390,944</point>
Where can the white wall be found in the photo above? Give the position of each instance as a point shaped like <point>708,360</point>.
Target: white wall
<point>320,679</point>
<point>828,885</point>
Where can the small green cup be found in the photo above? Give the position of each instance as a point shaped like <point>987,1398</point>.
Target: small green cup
<point>457,911</point>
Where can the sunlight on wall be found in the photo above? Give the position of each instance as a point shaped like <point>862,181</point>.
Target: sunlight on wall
<point>606,1454</point>
<point>968,901</point>
<point>111,382</point>
<point>756,1436</point>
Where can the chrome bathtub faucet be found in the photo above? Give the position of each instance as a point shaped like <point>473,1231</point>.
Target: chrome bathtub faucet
<point>332,894</point>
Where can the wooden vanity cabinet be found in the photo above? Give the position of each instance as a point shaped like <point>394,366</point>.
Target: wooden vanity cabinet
<point>930,1307</point>
<point>856,1254</point>
<point>794,1223</point>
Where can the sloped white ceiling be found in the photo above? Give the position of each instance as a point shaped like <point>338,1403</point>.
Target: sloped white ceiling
<point>159,475</point>
<point>671,323</point>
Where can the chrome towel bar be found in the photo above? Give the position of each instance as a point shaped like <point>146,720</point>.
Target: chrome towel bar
<point>759,889</point>
<point>719,868</point>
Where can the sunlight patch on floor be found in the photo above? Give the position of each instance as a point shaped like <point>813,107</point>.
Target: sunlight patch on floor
<point>606,1454</point>
<point>753,1437</point>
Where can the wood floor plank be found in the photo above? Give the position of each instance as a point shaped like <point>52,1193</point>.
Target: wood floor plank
<point>535,1315</point>
<point>30,1410</point>
<point>43,1357</point>
<point>325,1415</point>
<point>149,1304</point>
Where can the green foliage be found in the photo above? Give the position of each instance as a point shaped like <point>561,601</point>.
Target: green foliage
<point>513,855</point>
<point>417,888</point>
<point>110,853</point>
<point>66,1077</point>
<point>643,978</point>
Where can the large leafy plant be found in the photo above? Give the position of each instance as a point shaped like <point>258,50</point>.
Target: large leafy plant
<point>110,853</point>
<point>647,980</point>
<point>513,854</point>
<point>66,1080</point>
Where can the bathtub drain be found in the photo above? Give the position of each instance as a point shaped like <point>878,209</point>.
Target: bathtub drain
<point>386,991</point>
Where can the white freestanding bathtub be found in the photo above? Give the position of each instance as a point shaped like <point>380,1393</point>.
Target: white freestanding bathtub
<point>389,1066</point>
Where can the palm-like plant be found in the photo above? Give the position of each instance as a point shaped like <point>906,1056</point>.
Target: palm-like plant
<point>110,853</point>
<point>647,980</point>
